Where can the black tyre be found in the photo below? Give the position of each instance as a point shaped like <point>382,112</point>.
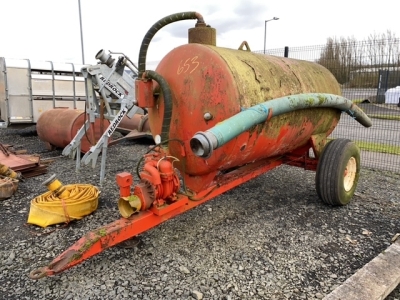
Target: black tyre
<point>338,172</point>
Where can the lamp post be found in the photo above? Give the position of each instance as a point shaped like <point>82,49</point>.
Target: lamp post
<point>265,30</point>
<point>80,23</point>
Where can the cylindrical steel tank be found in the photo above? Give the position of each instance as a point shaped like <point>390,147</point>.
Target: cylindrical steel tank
<point>59,126</point>
<point>210,84</point>
<point>138,122</point>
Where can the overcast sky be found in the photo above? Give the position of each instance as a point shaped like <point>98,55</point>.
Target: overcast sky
<point>49,29</point>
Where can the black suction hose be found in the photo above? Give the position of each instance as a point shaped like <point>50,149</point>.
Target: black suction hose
<point>156,27</point>
<point>166,91</point>
<point>167,102</point>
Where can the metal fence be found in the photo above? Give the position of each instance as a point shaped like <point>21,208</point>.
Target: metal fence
<point>369,72</point>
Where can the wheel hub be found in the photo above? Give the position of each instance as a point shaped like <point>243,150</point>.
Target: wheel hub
<point>350,174</point>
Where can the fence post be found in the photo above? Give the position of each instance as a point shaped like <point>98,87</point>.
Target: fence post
<point>286,54</point>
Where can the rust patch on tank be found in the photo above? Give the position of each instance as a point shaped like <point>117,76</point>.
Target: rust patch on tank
<point>261,78</point>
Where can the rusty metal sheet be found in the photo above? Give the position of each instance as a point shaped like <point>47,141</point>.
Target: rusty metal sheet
<point>14,162</point>
<point>28,165</point>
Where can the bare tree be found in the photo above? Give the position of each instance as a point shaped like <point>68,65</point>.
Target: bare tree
<point>356,62</point>
<point>339,56</point>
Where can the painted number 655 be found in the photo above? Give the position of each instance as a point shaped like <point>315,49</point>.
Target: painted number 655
<point>190,64</point>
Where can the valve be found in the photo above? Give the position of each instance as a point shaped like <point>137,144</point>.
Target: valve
<point>124,181</point>
<point>128,204</point>
<point>105,58</point>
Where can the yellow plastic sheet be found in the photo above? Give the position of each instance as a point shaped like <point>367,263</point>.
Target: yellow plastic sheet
<point>48,209</point>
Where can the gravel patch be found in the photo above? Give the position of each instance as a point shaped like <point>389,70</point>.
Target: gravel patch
<point>270,238</point>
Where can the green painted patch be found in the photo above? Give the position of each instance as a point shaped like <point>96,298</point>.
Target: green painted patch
<point>385,117</point>
<point>102,232</point>
<point>378,147</point>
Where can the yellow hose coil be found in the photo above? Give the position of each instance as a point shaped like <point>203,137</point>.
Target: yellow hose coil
<point>63,203</point>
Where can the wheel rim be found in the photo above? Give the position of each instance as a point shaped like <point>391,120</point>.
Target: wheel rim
<point>350,174</point>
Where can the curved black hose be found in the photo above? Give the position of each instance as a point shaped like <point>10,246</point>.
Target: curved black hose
<point>156,27</point>
<point>153,75</point>
<point>166,91</point>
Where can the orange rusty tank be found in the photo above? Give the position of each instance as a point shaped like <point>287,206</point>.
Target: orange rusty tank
<point>210,84</point>
<point>58,127</point>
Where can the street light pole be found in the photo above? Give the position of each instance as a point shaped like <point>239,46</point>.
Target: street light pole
<point>265,30</point>
<point>80,22</point>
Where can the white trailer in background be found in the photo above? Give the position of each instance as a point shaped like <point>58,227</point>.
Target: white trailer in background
<point>28,88</point>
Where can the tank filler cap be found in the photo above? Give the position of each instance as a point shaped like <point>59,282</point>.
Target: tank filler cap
<point>202,34</point>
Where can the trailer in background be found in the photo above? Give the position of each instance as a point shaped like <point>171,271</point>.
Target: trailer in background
<point>29,88</point>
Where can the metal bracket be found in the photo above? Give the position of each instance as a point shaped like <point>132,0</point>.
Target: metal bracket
<point>117,92</point>
<point>101,146</point>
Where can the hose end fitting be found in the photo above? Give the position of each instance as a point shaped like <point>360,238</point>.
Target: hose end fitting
<point>55,186</point>
<point>203,144</point>
<point>105,58</point>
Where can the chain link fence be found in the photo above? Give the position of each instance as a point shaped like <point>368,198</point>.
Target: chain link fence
<point>369,74</point>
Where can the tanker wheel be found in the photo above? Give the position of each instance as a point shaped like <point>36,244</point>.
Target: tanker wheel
<point>338,172</point>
